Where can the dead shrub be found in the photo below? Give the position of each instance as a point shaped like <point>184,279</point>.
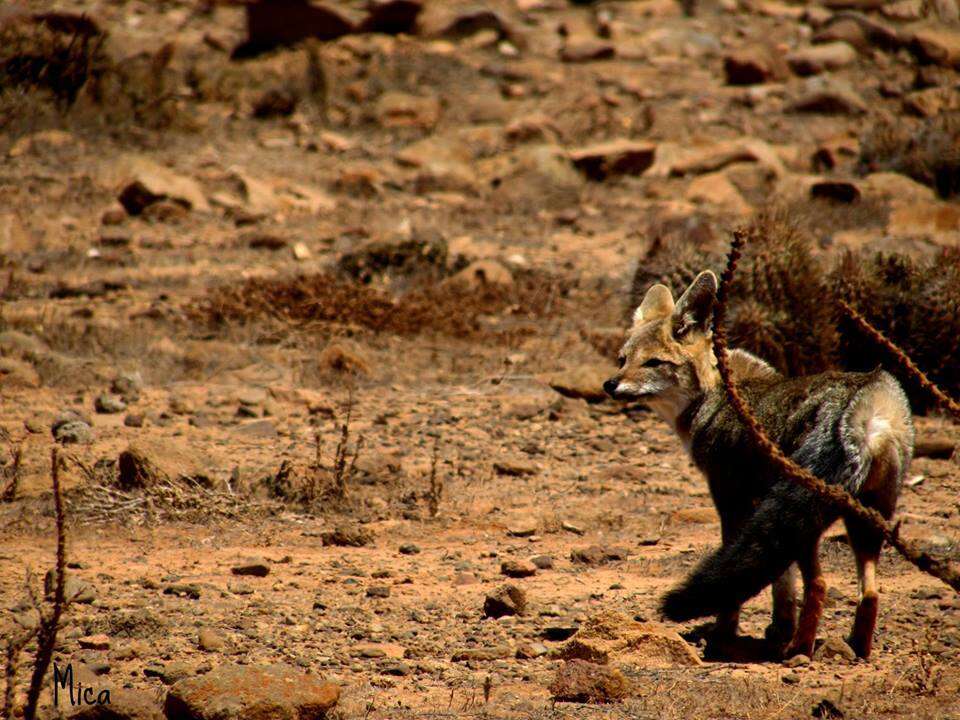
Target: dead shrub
<point>451,309</point>
<point>927,151</point>
<point>781,307</point>
<point>55,68</point>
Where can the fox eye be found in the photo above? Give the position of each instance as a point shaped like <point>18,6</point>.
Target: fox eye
<point>654,362</point>
<point>621,360</point>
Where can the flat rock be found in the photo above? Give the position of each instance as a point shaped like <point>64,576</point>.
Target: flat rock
<point>148,182</point>
<point>483,654</point>
<point>518,568</point>
<point>616,157</point>
<point>611,636</point>
<point>240,692</point>
<point>834,648</point>
<point>817,59</point>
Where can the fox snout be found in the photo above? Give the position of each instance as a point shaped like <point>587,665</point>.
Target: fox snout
<point>610,386</point>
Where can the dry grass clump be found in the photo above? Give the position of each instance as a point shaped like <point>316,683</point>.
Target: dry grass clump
<point>915,303</point>
<point>447,308</point>
<point>928,151</point>
<point>783,303</point>
<point>776,306</point>
<point>56,69</point>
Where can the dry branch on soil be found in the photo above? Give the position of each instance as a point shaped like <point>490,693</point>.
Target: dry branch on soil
<point>49,624</point>
<point>832,494</point>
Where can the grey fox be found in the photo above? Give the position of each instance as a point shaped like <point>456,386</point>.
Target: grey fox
<point>851,429</point>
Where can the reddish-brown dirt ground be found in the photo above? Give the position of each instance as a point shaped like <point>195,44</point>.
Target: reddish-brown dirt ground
<point>457,443</point>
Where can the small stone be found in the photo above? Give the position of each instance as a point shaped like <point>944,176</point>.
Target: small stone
<point>531,651</point>
<point>256,569</point>
<point>586,682</point>
<point>514,468</point>
<point>485,654</point>
<point>134,420</point>
<point>597,555</point>
<point>109,404</point>
<point>187,590</point>
<point>523,529</point>
<point>94,642</point>
<point>834,647</point>
<point>301,251</point>
<point>542,562</point>
<point>505,600</point>
<point>796,661</point>
<point>518,568</point>
<point>378,591</point>
<point>347,536</point>
<point>790,678</point>
<point>210,640</point>
<point>74,432</point>
<point>396,668</point>
<point>570,527</point>
<point>409,549</point>
<point>34,425</point>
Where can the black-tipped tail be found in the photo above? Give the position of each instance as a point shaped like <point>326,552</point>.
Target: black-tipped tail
<point>785,525</point>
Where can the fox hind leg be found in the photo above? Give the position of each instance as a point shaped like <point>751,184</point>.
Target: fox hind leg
<point>814,596</point>
<point>783,624</point>
<point>880,492</point>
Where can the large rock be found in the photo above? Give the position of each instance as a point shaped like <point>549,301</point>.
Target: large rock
<point>124,705</point>
<point>937,45</point>
<point>147,462</point>
<point>147,182</point>
<point>753,65</point>
<point>616,157</point>
<point>831,97</point>
<point>238,692</point>
<point>612,637</point>
<point>505,600</point>
<point>271,23</point>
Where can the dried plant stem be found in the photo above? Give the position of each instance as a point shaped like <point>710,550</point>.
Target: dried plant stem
<point>905,363</point>
<point>49,625</point>
<point>832,494</point>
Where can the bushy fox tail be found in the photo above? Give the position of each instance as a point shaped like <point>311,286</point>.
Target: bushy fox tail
<point>789,520</point>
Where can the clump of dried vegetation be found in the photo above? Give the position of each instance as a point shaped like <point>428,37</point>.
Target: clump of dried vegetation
<point>49,622</point>
<point>448,308</point>
<point>784,302</point>
<point>56,68</point>
<point>320,485</point>
<point>927,151</point>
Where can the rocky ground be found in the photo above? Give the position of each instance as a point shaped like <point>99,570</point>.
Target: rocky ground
<point>319,335</point>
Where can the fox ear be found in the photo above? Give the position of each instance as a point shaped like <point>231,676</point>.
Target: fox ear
<point>695,307</point>
<point>658,302</point>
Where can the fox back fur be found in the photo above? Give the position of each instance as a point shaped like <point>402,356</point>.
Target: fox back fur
<point>850,429</point>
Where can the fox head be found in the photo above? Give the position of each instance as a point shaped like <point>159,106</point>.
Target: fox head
<point>667,359</point>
